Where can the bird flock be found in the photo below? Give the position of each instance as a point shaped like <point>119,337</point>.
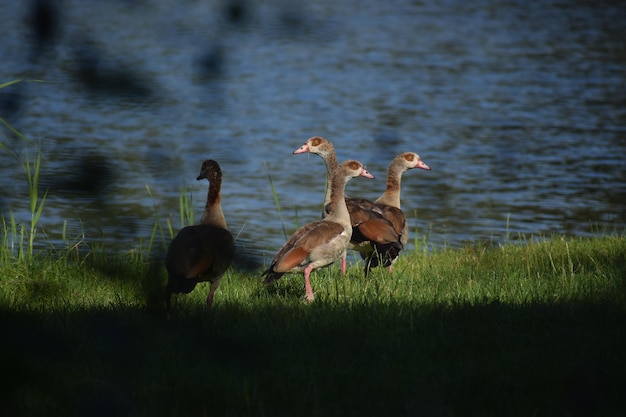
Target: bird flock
<point>377,229</point>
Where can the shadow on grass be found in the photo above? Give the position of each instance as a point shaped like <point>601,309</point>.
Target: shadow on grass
<point>321,359</point>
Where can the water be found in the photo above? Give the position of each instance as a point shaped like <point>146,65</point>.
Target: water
<point>518,107</point>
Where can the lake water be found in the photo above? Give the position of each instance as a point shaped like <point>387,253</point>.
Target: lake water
<point>519,108</point>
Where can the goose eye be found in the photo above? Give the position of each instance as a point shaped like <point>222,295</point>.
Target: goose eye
<point>316,141</point>
<point>409,157</point>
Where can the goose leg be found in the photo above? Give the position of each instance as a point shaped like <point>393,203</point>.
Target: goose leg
<point>307,283</point>
<point>209,298</point>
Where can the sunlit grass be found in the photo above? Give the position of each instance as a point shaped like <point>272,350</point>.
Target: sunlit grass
<point>552,271</point>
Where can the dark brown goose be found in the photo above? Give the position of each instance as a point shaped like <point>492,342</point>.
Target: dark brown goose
<point>320,243</point>
<point>201,252</point>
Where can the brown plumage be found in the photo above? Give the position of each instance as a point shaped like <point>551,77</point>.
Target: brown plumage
<point>201,252</point>
<point>379,228</point>
<point>322,242</point>
<point>385,243</point>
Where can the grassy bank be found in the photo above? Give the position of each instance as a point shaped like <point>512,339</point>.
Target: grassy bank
<point>532,329</point>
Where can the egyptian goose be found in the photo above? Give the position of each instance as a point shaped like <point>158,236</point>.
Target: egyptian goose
<point>319,243</point>
<point>378,227</point>
<point>201,252</point>
<point>385,243</point>
<point>322,147</point>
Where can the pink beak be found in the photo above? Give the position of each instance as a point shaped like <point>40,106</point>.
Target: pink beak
<point>302,149</point>
<point>365,173</point>
<point>421,164</point>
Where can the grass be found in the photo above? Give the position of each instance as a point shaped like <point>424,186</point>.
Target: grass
<point>531,329</point>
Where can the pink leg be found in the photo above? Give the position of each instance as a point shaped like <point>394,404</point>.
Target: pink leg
<point>343,264</point>
<point>307,283</point>
<point>209,299</point>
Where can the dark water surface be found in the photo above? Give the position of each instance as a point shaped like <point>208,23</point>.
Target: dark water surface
<point>519,108</point>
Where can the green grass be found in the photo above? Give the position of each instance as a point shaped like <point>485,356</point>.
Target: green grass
<point>530,329</point>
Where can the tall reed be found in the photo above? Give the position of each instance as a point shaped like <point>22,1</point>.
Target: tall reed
<point>36,203</point>
<point>276,202</point>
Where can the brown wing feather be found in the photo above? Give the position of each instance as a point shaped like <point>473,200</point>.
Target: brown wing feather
<point>291,259</point>
<point>396,217</point>
<point>296,250</point>
<point>378,230</point>
<point>369,222</point>
<point>322,233</point>
<point>200,250</point>
<point>361,210</point>
<point>200,267</point>
<point>292,242</point>
<point>384,253</point>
